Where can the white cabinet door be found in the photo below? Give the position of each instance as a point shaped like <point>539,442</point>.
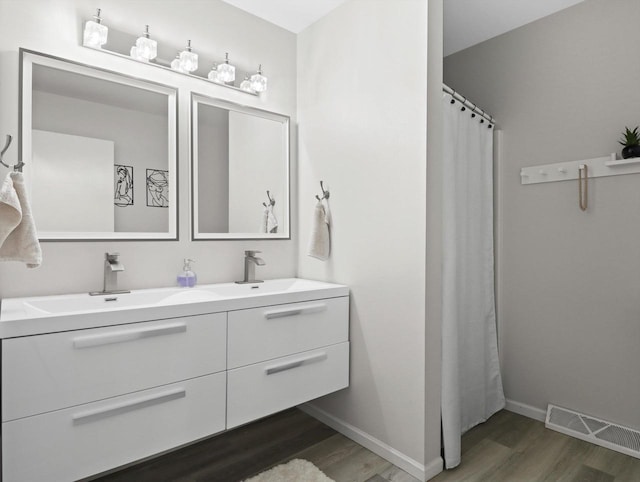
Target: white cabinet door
<point>258,390</point>
<point>53,371</point>
<point>81,441</point>
<point>261,334</point>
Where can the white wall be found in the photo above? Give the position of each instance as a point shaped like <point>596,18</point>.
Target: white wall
<point>362,129</point>
<point>256,151</point>
<point>140,140</point>
<point>563,88</point>
<point>55,27</point>
<point>213,169</point>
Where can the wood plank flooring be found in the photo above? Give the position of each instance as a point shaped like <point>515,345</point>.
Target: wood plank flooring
<point>513,448</point>
<point>508,448</point>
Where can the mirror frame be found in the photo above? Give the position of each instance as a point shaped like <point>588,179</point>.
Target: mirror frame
<point>29,58</point>
<point>285,120</point>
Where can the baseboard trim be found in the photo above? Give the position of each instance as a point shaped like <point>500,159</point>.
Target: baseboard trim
<point>526,410</point>
<point>378,447</point>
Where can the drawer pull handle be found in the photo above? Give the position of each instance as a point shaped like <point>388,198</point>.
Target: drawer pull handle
<point>295,311</point>
<point>295,363</point>
<point>127,335</point>
<point>128,406</point>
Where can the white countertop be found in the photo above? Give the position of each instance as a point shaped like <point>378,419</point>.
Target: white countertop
<point>48,314</point>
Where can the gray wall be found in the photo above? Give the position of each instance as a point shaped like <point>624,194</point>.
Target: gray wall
<point>56,28</point>
<point>563,88</point>
<point>365,136</point>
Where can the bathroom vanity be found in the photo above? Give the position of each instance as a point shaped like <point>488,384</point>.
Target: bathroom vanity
<point>93,383</point>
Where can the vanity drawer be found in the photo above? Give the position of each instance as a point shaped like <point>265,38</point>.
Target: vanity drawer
<point>49,372</point>
<point>81,441</point>
<point>261,334</point>
<point>258,390</point>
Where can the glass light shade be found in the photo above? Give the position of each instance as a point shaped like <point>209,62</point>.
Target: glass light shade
<point>95,34</point>
<point>226,72</point>
<point>177,65</point>
<point>188,61</point>
<point>258,82</point>
<point>213,75</point>
<point>135,54</point>
<point>147,48</point>
<point>246,85</point>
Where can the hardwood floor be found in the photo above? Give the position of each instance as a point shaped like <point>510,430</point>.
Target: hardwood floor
<point>510,447</point>
<point>507,448</point>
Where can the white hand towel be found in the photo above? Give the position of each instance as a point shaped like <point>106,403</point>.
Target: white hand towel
<point>272,221</point>
<point>320,242</point>
<point>21,244</point>
<point>265,220</point>
<point>10,210</point>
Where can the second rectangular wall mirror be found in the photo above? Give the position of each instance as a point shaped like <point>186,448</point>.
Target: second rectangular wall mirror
<point>100,151</point>
<point>240,171</point>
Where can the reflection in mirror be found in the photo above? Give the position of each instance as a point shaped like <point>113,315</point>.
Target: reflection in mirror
<point>240,171</point>
<point>99,151</point>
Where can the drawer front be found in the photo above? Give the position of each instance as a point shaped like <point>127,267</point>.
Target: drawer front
<point>265,388</point>
<point>261,334</point>
<point>81,441</point>
<point>49,372</point>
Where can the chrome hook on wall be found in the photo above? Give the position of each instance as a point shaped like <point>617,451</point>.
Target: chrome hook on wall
<point>17,167</point>
<point>325,194</point>
<point>272,201</point>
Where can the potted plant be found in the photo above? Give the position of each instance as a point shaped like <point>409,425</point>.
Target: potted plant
<point>631,142</point>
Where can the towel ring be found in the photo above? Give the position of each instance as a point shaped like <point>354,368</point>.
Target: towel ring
<point>17,167</point>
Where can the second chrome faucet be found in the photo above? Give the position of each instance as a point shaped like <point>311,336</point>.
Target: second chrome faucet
<point>250,263</point>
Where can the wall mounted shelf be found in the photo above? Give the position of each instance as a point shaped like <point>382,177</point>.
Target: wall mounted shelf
<point>567,171</point>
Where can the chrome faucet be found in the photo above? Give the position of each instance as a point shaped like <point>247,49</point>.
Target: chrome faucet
<point>112,266</point>
<point>250,262</point>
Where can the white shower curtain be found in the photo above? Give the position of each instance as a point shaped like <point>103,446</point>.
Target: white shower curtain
<point>471,382</point>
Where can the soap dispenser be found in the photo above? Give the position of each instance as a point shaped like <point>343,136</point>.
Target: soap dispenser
<point>187,278</point>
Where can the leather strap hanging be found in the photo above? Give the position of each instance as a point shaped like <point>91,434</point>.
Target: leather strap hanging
<point>583,195</point>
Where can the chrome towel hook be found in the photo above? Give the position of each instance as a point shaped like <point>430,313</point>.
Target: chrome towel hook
<point>272,201</point>
<point>325,194</point>
<point>17,167</point>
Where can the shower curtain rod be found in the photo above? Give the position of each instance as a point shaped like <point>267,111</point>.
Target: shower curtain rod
<point>468,104</point>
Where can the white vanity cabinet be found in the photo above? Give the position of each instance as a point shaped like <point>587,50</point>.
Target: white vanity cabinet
<point>281,356</point>
<point>78,402</point>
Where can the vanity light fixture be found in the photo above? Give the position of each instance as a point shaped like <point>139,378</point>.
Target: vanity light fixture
<point>246,84</point>
<point>146,47</point>
<point>258,81</point>
<point>188,59</point>
<point>213,75</point>
<point>226,71</point>
<point>95,34</point>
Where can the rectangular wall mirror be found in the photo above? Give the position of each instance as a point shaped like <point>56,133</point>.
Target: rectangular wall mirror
<point>240,171</point>
<point>100,151</point>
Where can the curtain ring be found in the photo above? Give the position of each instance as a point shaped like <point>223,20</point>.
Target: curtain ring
<point>463,106</point>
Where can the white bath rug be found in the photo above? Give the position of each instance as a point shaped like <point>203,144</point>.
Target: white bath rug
<point>297,470</point>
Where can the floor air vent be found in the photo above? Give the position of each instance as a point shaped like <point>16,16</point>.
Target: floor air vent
<point>606,434</point>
